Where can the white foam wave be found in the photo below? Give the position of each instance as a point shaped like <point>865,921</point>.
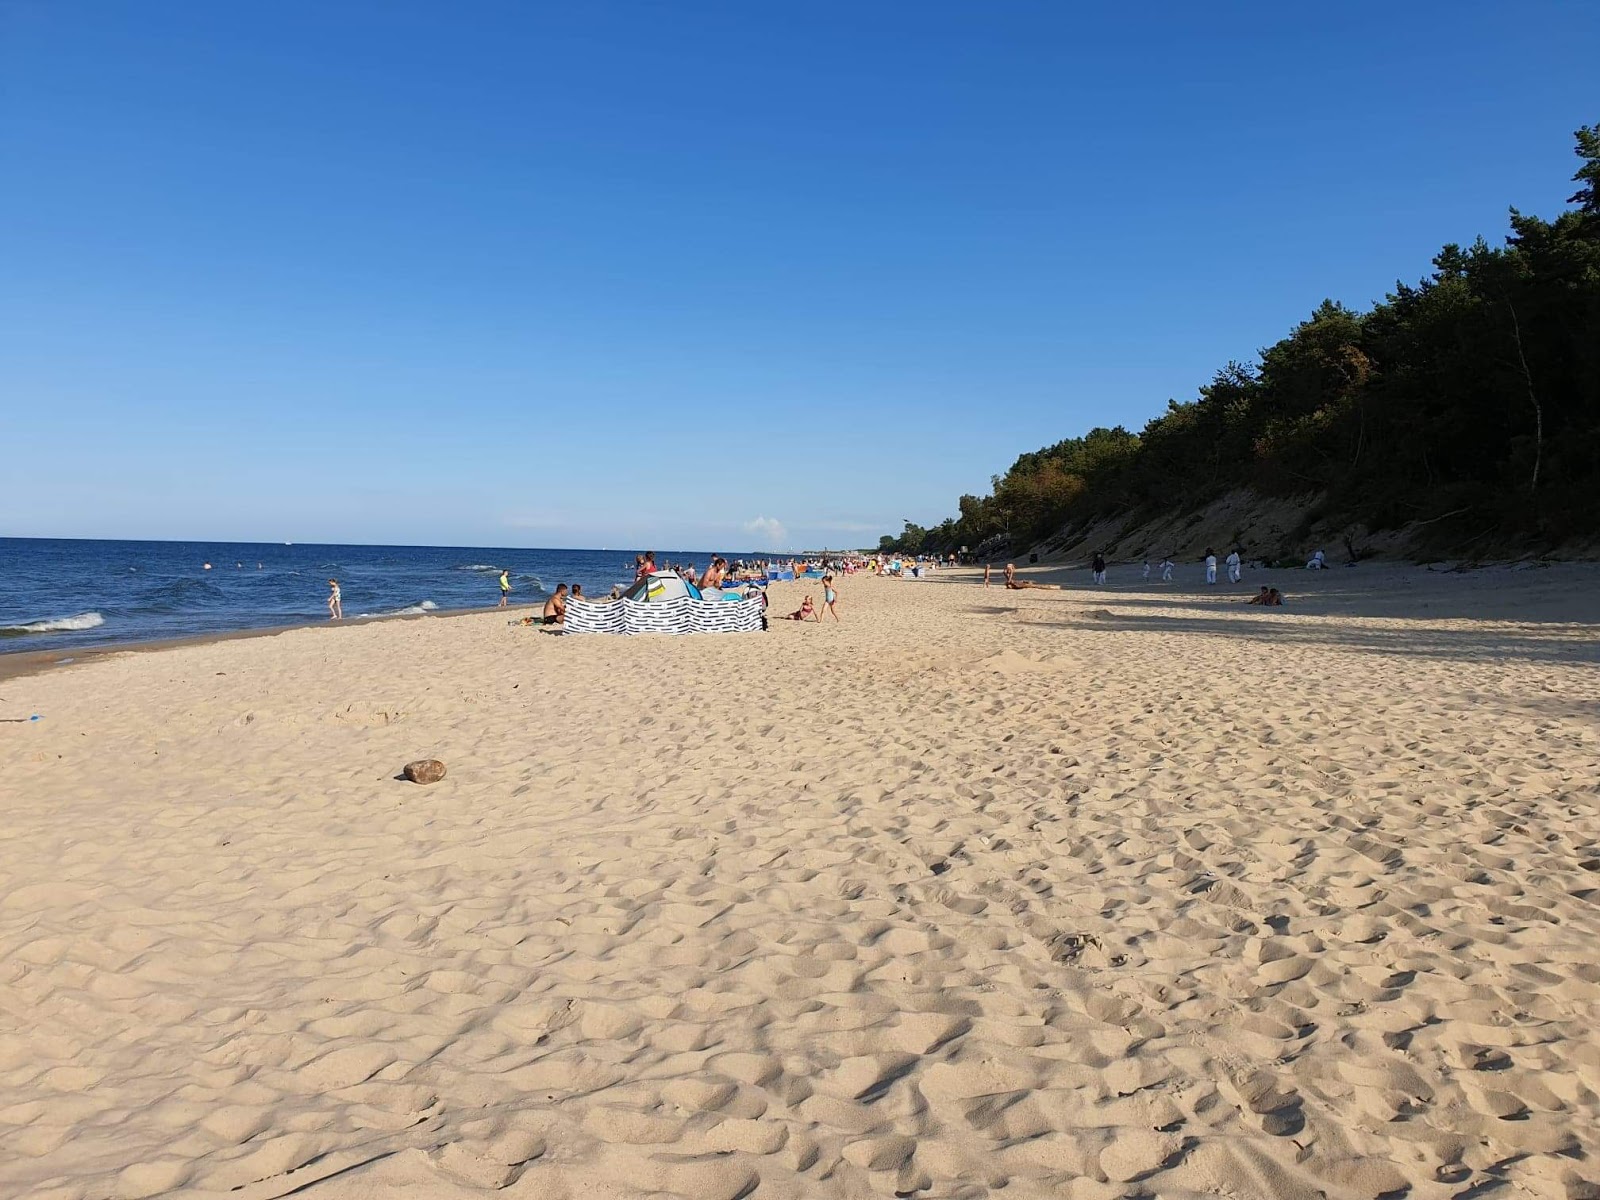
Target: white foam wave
<point>411,610</point>
<point>478,567</point>
<point>86,620</point>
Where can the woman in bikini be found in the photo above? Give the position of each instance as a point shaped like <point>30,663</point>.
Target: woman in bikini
<point>805,610</point>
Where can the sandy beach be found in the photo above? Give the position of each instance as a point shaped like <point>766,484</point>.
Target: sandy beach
<point>1133,891</point>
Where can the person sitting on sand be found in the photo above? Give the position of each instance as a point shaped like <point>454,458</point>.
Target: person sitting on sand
<point>1275,598</point>
<point>335,604</point>
<point>577,592</point>
<point>806,609</point>
<point>1261,597</point>
<point>555,608</point>
<point>1014,584</point>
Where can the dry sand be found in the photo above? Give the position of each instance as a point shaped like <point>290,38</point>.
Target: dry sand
<point>1128,892</point>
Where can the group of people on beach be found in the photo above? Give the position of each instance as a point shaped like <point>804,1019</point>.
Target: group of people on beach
<point>1270,596</point>
<point>808,610</point>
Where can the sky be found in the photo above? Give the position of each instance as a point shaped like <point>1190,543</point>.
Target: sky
<point>708,274</point>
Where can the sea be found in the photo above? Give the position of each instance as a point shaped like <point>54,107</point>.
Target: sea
<point>66,594</point>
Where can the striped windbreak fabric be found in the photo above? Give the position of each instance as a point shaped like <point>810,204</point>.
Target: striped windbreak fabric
<point>683,615</point>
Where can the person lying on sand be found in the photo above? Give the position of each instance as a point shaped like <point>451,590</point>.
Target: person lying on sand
<point>1016,585</point>
<point>806,609</point>
<point>555,608</point>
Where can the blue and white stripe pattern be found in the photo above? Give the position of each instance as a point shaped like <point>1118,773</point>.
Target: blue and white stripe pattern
<point>682,615</point>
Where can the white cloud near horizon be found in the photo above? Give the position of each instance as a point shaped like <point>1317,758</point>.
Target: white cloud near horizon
<point>768,529</point>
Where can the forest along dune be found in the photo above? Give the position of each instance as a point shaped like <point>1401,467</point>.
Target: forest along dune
<point>1115,893</point>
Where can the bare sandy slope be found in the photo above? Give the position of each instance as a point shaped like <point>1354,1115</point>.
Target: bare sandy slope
<point>1125,893</point>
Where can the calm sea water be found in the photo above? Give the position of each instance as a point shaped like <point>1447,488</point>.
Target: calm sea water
<point>64,594</point>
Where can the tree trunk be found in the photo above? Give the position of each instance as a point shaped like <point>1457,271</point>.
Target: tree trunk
<point>1538,409</point>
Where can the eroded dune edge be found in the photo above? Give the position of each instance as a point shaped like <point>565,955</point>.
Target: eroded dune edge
<point>1056,893</point>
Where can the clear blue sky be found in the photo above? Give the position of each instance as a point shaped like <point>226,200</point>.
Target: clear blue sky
<point>622,273</point>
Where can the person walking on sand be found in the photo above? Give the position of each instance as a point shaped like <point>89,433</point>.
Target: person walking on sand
<point>830,598</point>
<point>505,586</point>
<point>1235,566</point>
<point>1099,567</point>
<point>1166,569</point>
<point>335,603</point>
<point>1146,570</point>
<point>1211,565</point>
<point>987,567</point>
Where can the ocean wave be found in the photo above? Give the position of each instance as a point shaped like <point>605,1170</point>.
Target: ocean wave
<point>477,567</point>
<point>86,620</point>
<point>411,610</point>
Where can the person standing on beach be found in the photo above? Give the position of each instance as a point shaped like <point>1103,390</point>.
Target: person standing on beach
<point>1147,570</point>
<point>987,567</point>
<point>1235,571</point>
<point>505,586</point>
<point>1099,567</point>
<point>830,598</point>
<point>335,603</point>
<point>1211,565</point>
<point>1166,569</point>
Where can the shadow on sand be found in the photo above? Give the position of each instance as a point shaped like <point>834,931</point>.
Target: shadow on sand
<point>1568,643</point>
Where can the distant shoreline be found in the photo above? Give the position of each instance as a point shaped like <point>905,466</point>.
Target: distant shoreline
<point>15,664</point>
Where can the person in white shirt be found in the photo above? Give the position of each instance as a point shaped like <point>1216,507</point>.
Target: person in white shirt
<point>1166,570</point>
<point>1235,573</point>
<point>1147,568</point>
<point>1211,565</point>
<point>1316,563</point>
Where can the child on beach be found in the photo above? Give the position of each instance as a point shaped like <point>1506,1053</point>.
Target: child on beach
<point>505,586</point>
<point>830,598</point>
<point>335,604</point>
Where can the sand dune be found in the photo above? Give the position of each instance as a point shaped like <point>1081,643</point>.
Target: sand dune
<point>1124,892</point>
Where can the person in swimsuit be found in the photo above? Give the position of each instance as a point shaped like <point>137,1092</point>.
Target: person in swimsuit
<point>1013,584</point>
<point>335,603</point>
<point>555,608</point>
<point>830,598</point>
<point>505,586</point>
<point>805,610</point>
<point>986,569</point>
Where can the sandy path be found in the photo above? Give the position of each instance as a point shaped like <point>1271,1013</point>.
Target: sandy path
<point>1115,894</point>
